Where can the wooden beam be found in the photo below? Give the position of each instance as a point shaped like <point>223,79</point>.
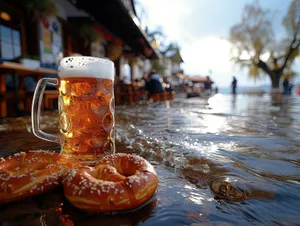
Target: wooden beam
<point>3,106</point>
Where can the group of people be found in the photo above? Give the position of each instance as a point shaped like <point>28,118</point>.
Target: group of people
<point>153,83</point>
<point>287,86</point>
<point>208,86</point>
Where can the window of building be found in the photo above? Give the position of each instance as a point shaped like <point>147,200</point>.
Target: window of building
<point>10,41</point>
<point>10,33</point>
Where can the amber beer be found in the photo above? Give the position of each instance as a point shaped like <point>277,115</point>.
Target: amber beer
<point>86,108</point>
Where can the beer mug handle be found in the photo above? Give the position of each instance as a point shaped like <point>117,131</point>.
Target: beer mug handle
<point>36,109</point>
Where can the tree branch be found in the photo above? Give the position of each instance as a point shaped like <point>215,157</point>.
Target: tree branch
<point>262,65</point>
<point>288,55</point>
<point>294,45</point>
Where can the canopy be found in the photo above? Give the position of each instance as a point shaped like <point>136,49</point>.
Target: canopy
<point>195,79</point>
<point>114,16</point>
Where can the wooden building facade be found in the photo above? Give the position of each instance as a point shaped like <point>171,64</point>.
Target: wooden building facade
<point>35,36</point>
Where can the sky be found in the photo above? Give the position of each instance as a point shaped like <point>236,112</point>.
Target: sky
<point>201,28</point>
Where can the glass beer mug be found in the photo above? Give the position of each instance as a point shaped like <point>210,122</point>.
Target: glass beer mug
<point>86,108</point>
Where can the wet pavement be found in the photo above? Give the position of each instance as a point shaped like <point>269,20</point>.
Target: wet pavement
<point>226,160</point>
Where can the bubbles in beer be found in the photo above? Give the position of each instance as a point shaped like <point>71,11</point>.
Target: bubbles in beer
<point>99,106</point>
<point>98,142</point>
<point>80,89</point>
<point>87,120</point>
<point>71,104</point>
<point>90,121</point>
<point>84,148</point>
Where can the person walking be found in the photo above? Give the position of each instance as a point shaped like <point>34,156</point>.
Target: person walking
<point>286,86</point>
<point>155,83</point>
<point>208,86</point>
<point>234,85</point>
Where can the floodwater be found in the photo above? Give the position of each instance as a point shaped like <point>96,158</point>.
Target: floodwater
<point>226,160</point>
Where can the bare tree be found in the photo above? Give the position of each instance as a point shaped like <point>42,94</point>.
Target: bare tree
<point>254,44</point>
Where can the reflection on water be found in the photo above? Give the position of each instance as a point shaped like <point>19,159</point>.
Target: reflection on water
<point>232,159</point>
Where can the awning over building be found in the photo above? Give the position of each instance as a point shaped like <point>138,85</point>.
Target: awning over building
<point>114,16</point>
<point>194,79</point>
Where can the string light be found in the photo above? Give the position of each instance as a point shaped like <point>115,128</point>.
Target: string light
<point>5,16</point>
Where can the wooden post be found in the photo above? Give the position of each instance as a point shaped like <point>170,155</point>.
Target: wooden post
<point>131,73</point>
<point>3,107</point>
<point>130,94</point>
<point>117,66</point>
<point>118,94</point>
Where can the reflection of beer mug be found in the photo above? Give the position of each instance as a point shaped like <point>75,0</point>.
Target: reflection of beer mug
<point>86,108</point>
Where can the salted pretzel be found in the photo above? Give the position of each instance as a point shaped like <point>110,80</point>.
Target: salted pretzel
<point>118,182</point>
<point>27,174</point>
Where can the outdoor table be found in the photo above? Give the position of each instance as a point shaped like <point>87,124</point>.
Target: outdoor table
<point>17,69</point>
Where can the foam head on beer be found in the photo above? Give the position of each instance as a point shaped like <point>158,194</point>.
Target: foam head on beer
<point>92,67</point>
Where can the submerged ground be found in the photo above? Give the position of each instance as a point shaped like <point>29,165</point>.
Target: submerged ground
<point>221,161</point>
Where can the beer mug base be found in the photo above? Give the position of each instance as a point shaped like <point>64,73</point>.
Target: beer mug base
<point>89,149</point>
<point>83,160</point>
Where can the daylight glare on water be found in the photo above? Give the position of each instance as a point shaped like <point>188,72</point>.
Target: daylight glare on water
<point>201,96</point>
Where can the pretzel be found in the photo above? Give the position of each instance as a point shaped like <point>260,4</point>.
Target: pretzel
<point>117,183</point>
<point>24,175</point>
